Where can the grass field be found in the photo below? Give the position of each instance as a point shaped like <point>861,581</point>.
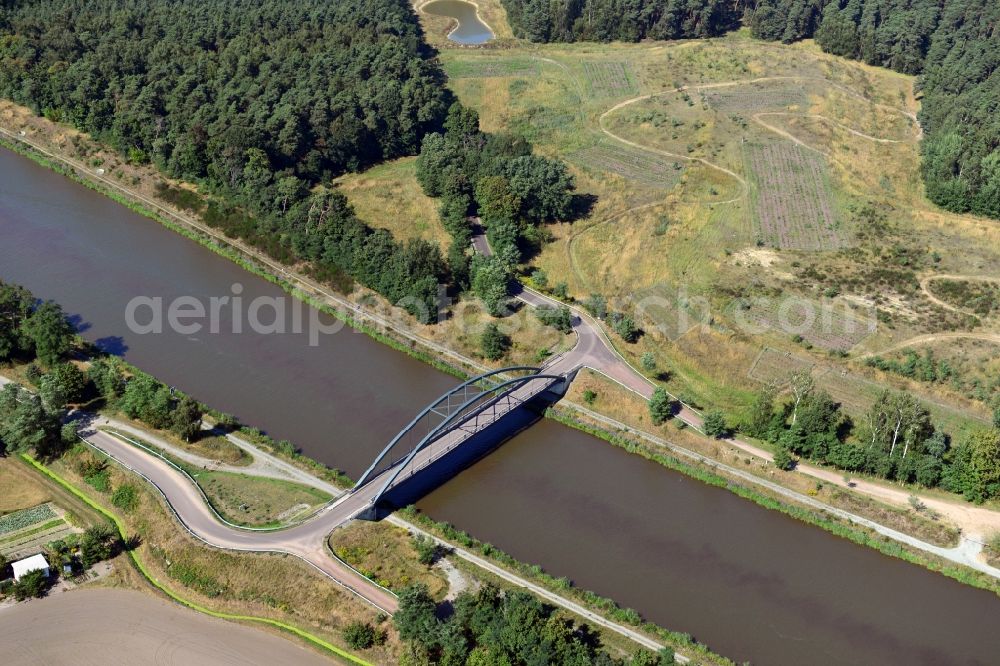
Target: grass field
<point>388,197</point>
<point>218,448</point>
<point>257,501</point>
<point>20,491</point>
<point>272,586</point>
<point>385,553</point>
<point>776,368</point>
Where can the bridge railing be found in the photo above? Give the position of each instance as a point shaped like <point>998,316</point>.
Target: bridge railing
<point>496,395</point>
<point>442,408</point>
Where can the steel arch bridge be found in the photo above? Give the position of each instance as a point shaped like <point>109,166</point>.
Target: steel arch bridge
<point>461,412</point>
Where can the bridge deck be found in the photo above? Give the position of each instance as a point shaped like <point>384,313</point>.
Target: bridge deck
<point>484,416</point>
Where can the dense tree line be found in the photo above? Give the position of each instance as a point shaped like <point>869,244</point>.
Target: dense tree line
<point>952,46</point>
<point>256,101</point>
<point>33,331</point>
<point>620,20</point>
<point>493,628</point>
<point>894,439</point>
<point>497,178</point>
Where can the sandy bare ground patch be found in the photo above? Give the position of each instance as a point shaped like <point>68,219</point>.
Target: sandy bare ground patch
<point>125,627</point>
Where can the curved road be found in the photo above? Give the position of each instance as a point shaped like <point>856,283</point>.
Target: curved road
<point>306,541</point>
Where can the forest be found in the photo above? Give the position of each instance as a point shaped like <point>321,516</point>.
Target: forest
<point>257,103</point>
<point>620,20</point>
<point>261,104</point>
<point>496,178</point>
<point>950,44</point>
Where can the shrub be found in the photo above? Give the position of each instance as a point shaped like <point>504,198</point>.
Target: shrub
<point>596,305</point>
<point>589,397</point>
<point>125,497</point>
<point>559,318</point>
<point>359,635</point>
<point>427,549</point>
<point>625,327</point>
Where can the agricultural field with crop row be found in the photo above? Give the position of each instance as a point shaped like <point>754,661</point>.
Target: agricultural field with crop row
<point>827,324</point>
<point>26,518</point>
<point>630,163</point>
<point>756,97</point>
<point>609,79</point>
<point>488,67</point>
<point>793,209</point>
<point>26,531</point>
<point>776,367</point>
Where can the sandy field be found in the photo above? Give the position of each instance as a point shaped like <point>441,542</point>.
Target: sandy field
<point>101,626</point>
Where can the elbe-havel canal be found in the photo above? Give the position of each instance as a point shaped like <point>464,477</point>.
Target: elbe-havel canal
<point>752,584</point>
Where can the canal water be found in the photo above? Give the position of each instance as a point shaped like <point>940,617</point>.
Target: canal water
<point>751,583</point>
<point>470,30</point>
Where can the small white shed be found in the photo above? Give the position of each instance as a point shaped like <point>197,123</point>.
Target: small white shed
<point>27,565</point>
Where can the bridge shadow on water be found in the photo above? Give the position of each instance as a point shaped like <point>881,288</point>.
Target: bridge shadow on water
<point>410,489</point>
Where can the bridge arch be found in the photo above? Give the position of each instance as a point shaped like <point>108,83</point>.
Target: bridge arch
<point>445,400</point>
<point>490,396</point>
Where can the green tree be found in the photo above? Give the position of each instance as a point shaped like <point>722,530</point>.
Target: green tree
<point>185,419</point>
<point>763,422</point>
<point>648,362</point>
<point>660,406</point>
<point>714,424</point>
<point>625,327</point>
<point>493,343</point>
<point>783,460</point>
<point>589,397</point>
<point>984,464</point>
<point>15,306</point>
<point>108,379</point>
<point>497,203</point>
<point>99,542</point>
<point>64,384</point>
<point>415,619</point>
<point>32,585</point>
<point>25,424</point>
<point>559,318</point>
<point>596,305</point>
<point>50,332</point>
<point>489,283</point>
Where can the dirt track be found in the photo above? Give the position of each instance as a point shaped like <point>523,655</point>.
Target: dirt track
<point>101,626</point>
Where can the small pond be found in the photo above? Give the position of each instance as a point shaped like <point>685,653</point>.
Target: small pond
<point>470,29</point>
